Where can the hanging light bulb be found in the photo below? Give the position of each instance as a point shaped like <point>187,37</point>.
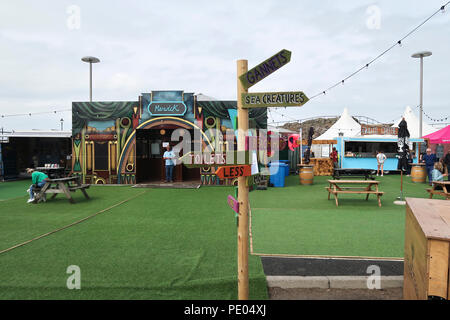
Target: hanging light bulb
<point>399,42</point>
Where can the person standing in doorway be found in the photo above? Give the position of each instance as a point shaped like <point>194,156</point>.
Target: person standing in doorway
<point>169,157</point>
<point>381,157</point>
<point>429,159</point>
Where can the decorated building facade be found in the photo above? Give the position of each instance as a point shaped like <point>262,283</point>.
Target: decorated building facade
<point>122,142</point>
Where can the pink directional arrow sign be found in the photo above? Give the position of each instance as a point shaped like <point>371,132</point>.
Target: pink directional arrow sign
<point>233,203</point>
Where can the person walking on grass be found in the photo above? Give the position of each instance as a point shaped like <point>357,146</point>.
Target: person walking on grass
<point>38,180</point>
<point>169,157</point>
<point>429,159</point>
<point>381,157</point>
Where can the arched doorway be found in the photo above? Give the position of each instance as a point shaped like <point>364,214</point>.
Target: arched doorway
<point>141,158</point>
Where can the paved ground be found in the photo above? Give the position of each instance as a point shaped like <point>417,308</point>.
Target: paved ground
<point>280,266</point>
<point>335,294</point>
<point>313,267</point>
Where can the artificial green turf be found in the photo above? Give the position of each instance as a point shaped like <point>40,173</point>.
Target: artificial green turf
<point>300,220</point>
<point>164,244</point>
<point>21,221</point>
<point>14,189</point>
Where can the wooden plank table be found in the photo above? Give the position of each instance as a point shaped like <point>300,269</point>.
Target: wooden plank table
<point>427,249</point>
<point>354,186</point>
<point>61,185</point>
<point>445,191</point>
<point>363,173</point>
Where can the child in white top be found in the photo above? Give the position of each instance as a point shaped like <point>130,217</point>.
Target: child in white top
<point>381,157</point>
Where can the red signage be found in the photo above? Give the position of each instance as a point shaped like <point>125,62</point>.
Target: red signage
<point>367,129</point>
<point>233,172</point>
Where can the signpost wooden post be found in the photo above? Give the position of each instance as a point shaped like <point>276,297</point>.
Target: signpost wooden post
<point>242,86</point>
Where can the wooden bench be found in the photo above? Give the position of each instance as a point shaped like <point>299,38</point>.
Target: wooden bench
<point>342,187</point>
<point>443,191</point>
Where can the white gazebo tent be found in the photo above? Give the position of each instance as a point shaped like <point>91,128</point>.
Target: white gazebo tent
<point>345,125</point>
<point>413,124</point>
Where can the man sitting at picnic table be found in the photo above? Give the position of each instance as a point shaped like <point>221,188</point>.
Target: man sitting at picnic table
<point>38,179</point>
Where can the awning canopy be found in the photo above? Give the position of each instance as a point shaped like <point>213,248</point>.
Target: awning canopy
<point>440,136</point>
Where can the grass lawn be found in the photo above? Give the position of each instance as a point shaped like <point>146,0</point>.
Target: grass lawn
<point>161,244</point>
<point>14,189</point>
<point>300,220</point>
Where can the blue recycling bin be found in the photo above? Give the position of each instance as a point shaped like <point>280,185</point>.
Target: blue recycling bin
<point>277,173</point>
<point>286,169</point>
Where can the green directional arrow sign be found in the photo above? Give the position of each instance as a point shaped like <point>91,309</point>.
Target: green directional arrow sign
<point>273,99</point>
<point>265,68</point>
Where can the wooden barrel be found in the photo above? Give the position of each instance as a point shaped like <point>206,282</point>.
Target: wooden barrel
<point>418,173</point>
<point>306,174</point>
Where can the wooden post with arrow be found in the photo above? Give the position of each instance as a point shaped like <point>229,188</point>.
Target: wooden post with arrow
<point>242,68</point>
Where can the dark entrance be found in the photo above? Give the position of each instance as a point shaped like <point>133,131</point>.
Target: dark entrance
<point>149,156</point>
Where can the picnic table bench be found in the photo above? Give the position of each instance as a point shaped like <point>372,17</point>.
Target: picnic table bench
<point>360,173</point>
<point>444,189</point>
<point>354,187</point>
<point>61,185</point>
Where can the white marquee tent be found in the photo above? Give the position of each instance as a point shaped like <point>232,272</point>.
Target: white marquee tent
<point>345,124</point>
<point>413,124</point>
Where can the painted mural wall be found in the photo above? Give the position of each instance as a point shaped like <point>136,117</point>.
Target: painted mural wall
<point>104,133</point>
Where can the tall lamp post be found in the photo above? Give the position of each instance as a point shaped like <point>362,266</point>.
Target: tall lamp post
<point>90,60</point>
<point>421,55</point>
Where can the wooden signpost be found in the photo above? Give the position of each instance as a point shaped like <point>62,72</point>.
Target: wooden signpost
<point>246,79</point>
<point>234,171</point>
<point>273,99</point>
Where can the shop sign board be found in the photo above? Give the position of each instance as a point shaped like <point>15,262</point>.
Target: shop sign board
<point>367,129</point>
<point>167,108</point>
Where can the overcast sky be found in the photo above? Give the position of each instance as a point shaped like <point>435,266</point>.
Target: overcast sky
<point>193,46</point>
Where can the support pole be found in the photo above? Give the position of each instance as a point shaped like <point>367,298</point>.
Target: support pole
<point>421,97</point>
<point>242,67</point>
<point>90,81</point>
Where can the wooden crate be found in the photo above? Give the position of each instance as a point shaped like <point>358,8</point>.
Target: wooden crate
<point>427,249</point>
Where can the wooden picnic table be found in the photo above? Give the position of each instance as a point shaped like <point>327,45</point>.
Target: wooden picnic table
<point>61,185</point>
<point>354,186</point>
<point>353,172</point>
<point>445,191</point>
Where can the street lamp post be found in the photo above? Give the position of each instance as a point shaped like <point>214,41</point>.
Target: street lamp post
<point>90,60</point>
<point>421,55</point>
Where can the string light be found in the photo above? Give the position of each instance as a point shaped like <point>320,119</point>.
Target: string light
<point>33,113</point>
<point>399,42</point>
